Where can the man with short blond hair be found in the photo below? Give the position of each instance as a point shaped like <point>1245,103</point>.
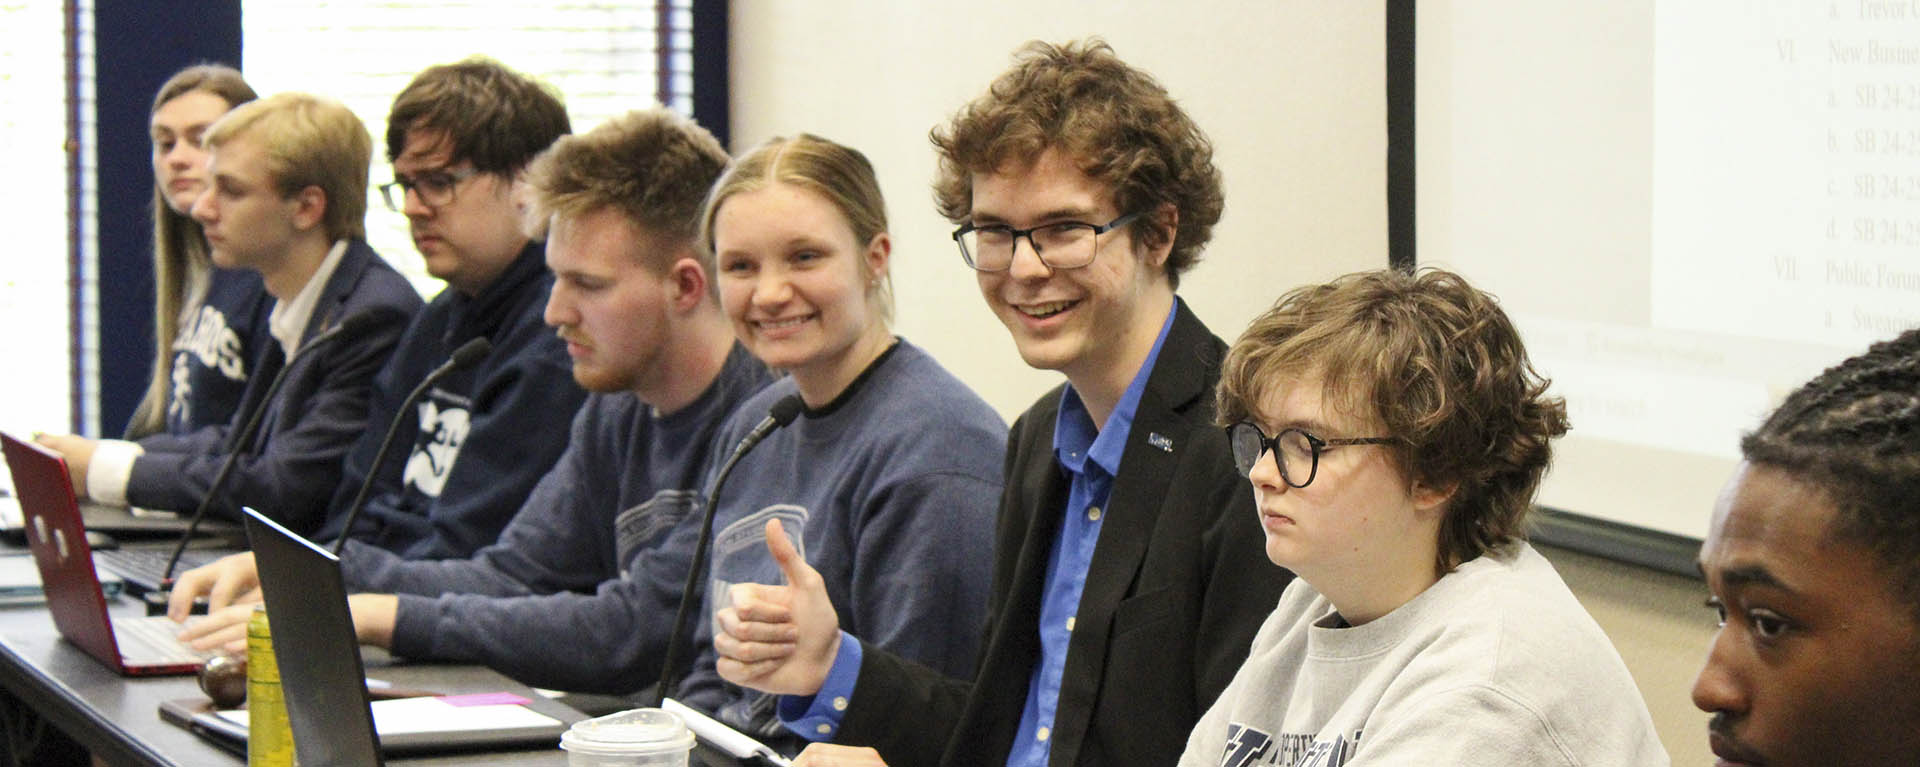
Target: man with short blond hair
<point>287,198</point>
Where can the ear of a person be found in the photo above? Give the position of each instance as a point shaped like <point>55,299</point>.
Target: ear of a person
<point>309,207</point>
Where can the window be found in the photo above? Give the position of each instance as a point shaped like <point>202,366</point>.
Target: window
<point>600,55</point>
<point>34,294</point>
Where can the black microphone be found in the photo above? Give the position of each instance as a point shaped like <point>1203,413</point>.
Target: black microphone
<point>240,440</point>
<point>782,413</point>
<point>468,353</point>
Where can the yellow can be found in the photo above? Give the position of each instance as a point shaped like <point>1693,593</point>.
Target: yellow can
<point>269,734</point>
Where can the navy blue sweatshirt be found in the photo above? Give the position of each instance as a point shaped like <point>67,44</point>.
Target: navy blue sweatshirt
<point>215,349</point>
<point>469,452</point>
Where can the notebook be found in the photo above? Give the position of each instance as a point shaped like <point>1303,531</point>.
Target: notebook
<point>324,682</point>
<point>58,542</point>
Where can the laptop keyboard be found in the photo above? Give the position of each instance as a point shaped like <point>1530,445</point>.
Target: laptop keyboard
<point>151,640</point>
<point>143,568</point>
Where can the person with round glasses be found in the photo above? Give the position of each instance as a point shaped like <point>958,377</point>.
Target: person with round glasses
<point>1394,434</point>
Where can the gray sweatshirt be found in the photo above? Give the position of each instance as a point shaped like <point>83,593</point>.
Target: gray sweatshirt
<point>1495,664</point>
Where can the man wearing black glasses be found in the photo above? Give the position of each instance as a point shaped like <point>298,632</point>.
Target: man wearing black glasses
<point>458,137</point>
<point>466,456</point>
<point>1128,583</point>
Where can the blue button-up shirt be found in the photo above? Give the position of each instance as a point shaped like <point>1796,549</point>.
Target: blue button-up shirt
<point>1092,458</point>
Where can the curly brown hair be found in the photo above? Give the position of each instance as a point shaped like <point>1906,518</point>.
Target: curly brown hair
<point>1853,432</point>
<point>1436,363</point>
<point>1116,122</point>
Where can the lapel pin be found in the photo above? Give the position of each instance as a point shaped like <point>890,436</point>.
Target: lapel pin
<point>1158,440</point>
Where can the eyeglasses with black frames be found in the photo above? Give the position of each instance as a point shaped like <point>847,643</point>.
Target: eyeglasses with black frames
<point>1060,245</point>
<point>1293,448</point>
<point>435,187</point>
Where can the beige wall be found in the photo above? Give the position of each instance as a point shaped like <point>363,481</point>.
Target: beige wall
<point>1660,625</point>
<point>1290,93</point>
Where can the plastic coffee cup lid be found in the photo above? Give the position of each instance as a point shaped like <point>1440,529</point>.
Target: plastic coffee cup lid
<point>638,731</point>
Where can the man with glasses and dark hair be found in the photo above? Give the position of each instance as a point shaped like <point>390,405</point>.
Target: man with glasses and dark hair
<point>459,137</point>
<point>1394,433</point>
<point>1127,585</point>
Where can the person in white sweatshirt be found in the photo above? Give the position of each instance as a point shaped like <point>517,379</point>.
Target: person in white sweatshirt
<point>1394,433</point>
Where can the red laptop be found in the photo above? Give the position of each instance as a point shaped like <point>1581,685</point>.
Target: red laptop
<point>131,645</point>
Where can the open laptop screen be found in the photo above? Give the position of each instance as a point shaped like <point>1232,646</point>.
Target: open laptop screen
<point>313,640</point>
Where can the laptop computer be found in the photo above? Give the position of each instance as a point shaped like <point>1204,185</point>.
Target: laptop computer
<point>141,569</point>
<point>324,681</point>
<point>58,542</point>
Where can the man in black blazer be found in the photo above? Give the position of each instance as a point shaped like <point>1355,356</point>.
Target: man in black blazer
<point>1129,577</point>
<point>287,199</point>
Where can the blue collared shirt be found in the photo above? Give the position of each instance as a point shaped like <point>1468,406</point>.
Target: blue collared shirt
<point>1092,459</point>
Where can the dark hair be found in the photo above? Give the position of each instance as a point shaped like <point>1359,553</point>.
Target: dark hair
<point>494,117</point>
<point>1853,432</point>
<point>1115,122</point>
<point>1439,367</point>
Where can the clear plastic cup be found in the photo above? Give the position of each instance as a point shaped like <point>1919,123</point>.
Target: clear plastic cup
<point>642,737</point>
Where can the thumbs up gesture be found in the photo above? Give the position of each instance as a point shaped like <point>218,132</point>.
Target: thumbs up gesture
<point>779,639</point>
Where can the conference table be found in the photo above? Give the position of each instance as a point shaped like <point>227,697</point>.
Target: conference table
<point>117,718</point>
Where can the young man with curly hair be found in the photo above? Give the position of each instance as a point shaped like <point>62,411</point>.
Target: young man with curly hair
<point>1394,433</point>
<point>1126,584</point>
<point>1813,559</point>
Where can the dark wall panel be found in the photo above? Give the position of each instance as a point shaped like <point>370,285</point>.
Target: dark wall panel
<point>138,44</point>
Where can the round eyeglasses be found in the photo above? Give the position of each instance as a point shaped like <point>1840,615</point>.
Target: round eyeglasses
<point>1061,245</point>
<point>1294,450</point>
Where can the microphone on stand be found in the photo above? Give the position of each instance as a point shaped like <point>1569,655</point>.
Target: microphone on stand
<point>465,356</point>
<point>782,413</point>
<point>240,441</point>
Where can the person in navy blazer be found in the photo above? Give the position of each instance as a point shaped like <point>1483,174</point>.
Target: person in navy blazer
<point>287,199</point>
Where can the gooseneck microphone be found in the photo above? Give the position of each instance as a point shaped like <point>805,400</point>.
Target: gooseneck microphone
<point>782,413</point>
<point>241,440</point>
<point>468,353</point>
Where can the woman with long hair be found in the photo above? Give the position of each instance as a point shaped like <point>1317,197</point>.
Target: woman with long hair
<point>208,322</point>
